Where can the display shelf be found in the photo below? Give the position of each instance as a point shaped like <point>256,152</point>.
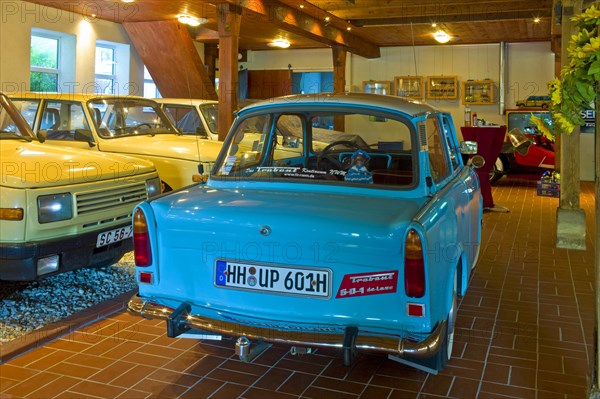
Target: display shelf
<point>478,92</point>
<point>377,87</point>
<point>408,86</point>
<point>442,87</point>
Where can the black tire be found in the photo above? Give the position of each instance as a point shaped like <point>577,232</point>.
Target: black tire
<point>497,171</point>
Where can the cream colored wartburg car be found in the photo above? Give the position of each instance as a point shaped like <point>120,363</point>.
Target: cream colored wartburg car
<point>63,208</point>
<point>120,124</point>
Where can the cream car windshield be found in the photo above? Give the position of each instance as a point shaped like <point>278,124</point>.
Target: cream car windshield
<point>129,117</point>
<point>211,115</point>
<point>9,129</point>
<point>341,148</point>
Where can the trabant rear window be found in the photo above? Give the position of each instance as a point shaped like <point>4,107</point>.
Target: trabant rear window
<point>353,148</point>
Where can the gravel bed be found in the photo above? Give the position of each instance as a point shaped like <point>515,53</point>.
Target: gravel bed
<point>28,306</point>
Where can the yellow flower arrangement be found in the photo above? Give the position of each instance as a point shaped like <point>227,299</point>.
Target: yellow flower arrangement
<point>576,88</point>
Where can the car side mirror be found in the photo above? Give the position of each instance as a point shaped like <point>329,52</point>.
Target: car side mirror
<point>200,131</point>
<point>85,135</point>
<point>476,161</point>
<point>468,147</point>
<point>41,135</point>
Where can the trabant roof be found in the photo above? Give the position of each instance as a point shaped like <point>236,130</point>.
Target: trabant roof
<point>392,103</point>
<point>83,97</point>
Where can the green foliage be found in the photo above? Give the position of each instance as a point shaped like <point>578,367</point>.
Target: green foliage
<point>42,81</point>
<point>576,88</point>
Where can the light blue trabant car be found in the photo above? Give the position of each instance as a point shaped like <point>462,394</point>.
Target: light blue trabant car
<point>330,220</point>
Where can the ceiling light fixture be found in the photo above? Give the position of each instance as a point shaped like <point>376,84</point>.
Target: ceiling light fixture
<point>281,43</point>
<point>537,20</point>
<point>127,1</point>
<point>190,19</point>
<point>441,37</point>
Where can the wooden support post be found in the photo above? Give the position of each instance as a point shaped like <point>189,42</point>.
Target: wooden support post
<point>211,53</point>
<point>570,226</point>
<point>339,81</point>
<point>229,18</point>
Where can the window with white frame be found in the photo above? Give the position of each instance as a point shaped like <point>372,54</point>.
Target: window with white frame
<point>112,69</point>
<point>44,60</point>
<point>52,61</point>
<point>105,68</point>
<point>150,89</point>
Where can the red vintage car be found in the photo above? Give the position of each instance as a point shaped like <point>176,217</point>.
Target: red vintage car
<point>524,155</point>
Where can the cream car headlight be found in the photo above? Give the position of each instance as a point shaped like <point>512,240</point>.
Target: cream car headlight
<point>153,187</point>
<point>55,207</point>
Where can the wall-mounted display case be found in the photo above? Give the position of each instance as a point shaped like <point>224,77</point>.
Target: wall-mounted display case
<point>377,87</point>
<point>442,87</point>
<point>408,86</point>
<point>478,92</point>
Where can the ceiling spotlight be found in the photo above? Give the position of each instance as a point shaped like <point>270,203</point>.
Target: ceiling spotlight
<point>190,19</point>
<point>433,25</point>
<point>127,1</point>
<point>327,19</point>
<point>349,28</point>
<point>281,43</point>
<point>441,37</point>
<point>537,20</point>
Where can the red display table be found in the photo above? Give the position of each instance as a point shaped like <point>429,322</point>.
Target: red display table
<point>489,143</point>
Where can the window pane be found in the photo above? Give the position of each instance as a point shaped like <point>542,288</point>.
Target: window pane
<point>147,75</point>
<point>43,81</point>
<point>438,158</point>
<point>44,52</point>
<point>104,86</point>
<point>105,61</point>
<point>150,90</point>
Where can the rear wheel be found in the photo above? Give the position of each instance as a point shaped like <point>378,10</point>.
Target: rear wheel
<point>497,171</point>
<point>438,361</point>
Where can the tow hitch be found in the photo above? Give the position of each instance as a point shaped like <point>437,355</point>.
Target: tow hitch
<point>244,351</point>
<point>179,327</point>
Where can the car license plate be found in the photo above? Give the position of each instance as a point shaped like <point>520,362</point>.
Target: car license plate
<point>282,280</point>
<point>112,236</point>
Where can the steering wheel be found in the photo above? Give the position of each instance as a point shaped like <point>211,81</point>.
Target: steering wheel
<point>325,153</point>
<point>147,125</point>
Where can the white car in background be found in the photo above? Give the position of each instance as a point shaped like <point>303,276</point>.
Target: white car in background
<point>193,116</point>
<point>123,125</point>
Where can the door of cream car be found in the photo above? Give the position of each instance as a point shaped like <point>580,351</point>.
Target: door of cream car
<point>59,122</point>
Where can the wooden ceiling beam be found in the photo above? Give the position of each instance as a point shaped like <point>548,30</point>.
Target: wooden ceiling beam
<point>449,18</point>
<point>182,73</point>
<point>304,24</point>
<point>377,8</point>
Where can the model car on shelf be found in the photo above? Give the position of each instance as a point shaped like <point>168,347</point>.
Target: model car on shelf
<point>62,208</point>
<point>543,102</point>
<point>193,116</point>
<point>121,125</point>
<point>338,220</point>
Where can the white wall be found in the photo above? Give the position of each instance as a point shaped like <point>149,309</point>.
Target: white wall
<point>17,18</point>
<point>530,66</point>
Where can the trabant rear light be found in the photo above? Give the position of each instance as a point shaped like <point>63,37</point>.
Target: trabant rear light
<point>141,239</point>
<point>414,267</point>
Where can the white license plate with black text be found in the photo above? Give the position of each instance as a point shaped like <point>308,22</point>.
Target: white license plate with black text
<point>276,279</point>
<point>112,236</point>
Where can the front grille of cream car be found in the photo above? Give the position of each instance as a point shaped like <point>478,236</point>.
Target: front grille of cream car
<point>102,200</point>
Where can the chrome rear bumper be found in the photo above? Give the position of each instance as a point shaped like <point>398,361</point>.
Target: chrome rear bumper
<point>399,347</point>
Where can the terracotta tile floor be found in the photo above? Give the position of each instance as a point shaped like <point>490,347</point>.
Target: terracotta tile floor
<point>524,330</point>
